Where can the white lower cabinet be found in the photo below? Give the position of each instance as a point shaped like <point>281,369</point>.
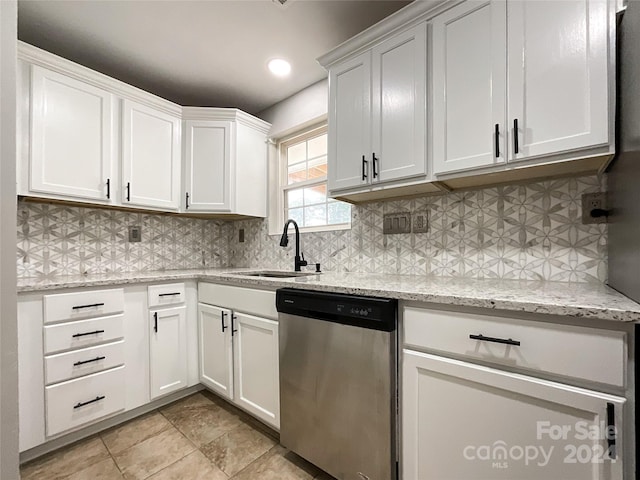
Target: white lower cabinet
<point>80,401</point>
<point>167,350</point>
<point>239,360</point>
<point>256,367</point>
<point>462,420</point>
<point>216,349</point>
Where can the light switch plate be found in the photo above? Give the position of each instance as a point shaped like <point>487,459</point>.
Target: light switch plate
<point>135,234</point>
<point>420,222</point>
<point>396,223</point>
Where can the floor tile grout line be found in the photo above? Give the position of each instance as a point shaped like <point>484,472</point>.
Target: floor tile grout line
<point>113,454</point>
<point>254,461</point>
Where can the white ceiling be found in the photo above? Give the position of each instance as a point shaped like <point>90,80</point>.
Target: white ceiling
<point>200,53</point>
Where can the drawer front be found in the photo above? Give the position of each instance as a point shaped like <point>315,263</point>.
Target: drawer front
<point>83,333</point>
<point>170,294</point>
<point>586,353</point>
<point>248,300</point>
<point>83,400</point>
<point>78,363</point>
<point>71,306</point>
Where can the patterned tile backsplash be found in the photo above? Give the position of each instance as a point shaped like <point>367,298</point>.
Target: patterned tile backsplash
<point>63,240</point>
<point>531,231</point>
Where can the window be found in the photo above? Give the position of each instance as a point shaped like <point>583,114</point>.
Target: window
<point>304,183</point>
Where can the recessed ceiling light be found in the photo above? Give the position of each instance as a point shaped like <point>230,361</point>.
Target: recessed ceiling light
<point>279,67</point>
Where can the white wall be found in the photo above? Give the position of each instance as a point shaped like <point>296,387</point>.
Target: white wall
<point>8,324</point>
<point>306,107</point>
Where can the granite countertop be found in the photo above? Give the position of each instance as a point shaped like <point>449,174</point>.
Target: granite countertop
<point>586,300</point>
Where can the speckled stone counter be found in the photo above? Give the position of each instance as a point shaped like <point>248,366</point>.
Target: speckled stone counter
<point>584,300</point>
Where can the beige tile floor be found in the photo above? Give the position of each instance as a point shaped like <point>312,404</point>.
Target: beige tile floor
<point>201,437</point>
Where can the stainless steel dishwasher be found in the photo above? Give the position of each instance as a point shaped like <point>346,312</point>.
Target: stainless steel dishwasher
<point>338,382</point>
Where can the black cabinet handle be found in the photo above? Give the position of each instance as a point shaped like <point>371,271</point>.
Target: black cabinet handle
<point>82,362</point>
<point>497,140</point>
<point>155,322</point>
<point>96,332</point>
<point>168,294</point>
<point>128,191</point>
<point>187,200</point>
<point>611,431</point>
<point>364,164</point>
<point>91,305</point>
<point>222,315</point>
<point>82,404</point>
<point>515,136</point>
<point>233,329</point>
<point>375,159</point>
<point>108,188</point>
<point>507,341</point>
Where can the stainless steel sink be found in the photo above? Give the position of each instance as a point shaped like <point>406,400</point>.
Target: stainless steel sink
<point>275,274</point>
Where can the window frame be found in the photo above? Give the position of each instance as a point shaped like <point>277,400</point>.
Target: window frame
<point>282,145</point>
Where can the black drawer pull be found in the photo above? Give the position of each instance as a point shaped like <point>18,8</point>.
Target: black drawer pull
<point>82,362</point>
<point>128,191</point>
<point>82,404</point>
<point>497,140</point>
<point>155,322</point>
<point>91,305</point>
<point>168,294</point>
<point>222,315</point>
<point>516,148</point>
<point>507,341</point>
<point>88,333</point>
<point>108,188</point>
<point>611,431</point>
<point>187,200</point>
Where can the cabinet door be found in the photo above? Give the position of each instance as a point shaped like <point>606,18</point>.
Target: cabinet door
<point>256,366</point>
<point>71,135</point>
<point>558,68</point>
<point>150,157</point>
<point>399,73</point>
<point>469,86</point>
<point>168,350</point>
<point>216,349</point>
<point>349,141</point>
<point>208,166</point>
<point>461,420</point>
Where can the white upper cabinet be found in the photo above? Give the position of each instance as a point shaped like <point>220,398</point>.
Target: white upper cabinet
<point>150,157</point>
<point>469,86</point>
<point>377,113</point>
<point>520,80</point>
<point>399,108</point>
<point>558,76</point>
<point>225,166</point>
<point>349,133</point>
<point>71,135</point>
<point>207,165</point>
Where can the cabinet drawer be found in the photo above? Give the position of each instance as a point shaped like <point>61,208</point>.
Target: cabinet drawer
<point>83,333</point>
<point>79,363</point>
<point>170,294</point>
<point>76,402</point>
<point>71,306</point>
<point>587,353</point>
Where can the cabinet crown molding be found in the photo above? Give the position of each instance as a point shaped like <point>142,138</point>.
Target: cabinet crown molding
<point>230,114</point>
<point>414,13</point>
<point>37,56</point>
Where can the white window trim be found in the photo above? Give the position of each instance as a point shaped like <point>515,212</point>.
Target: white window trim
<point>276,219</point>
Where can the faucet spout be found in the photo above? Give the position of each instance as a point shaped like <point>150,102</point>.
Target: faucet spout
<point>284,241</point>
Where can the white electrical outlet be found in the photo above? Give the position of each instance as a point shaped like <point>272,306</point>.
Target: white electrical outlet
<point>594,202</point>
